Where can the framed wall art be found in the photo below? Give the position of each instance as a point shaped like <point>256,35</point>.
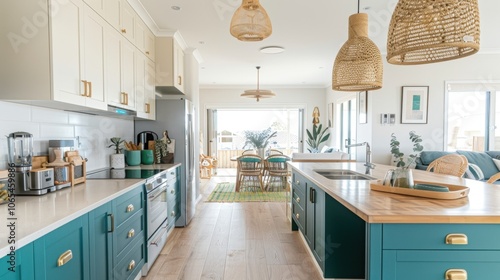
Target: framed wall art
<point>414,104</point>
<point>363,107</point>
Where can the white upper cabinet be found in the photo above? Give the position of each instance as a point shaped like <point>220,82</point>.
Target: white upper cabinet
<point>60,64</point>
<point>144,85</point>
<point>169,66</point>
<point>144,39</point>
<point>127,21</point>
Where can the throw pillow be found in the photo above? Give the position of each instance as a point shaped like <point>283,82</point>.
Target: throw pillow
<point>474,172</point>
<point>497,162</point>
<point>483,160</point>
<point>324,149</point>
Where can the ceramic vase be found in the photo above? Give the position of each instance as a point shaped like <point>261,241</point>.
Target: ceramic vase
<point>117,161</point>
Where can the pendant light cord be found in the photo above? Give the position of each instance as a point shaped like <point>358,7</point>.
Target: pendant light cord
<point>358,6</point>
<point>258,68</point>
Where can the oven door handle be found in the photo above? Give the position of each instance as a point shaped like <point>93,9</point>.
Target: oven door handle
<point>157,241</point>
<point>157,192</point>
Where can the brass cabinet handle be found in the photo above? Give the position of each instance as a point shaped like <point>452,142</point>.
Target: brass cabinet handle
<point>456,274</point>
<point>131,233</point>
<point>124,30</point>
<point>147,108</point>
<point>126,98</point>
<point>131,265</point>
<point>297,182</point>
<point>173,213</point>
<point>456,239</point>
<point>84,87</point>
<point>297,216</point>
<point>179,80</point>
<point>172,191</point>
<point>90,89</point>
<point>122,97</point>
<point>64,258</point>
<point>130,208</point>
<point>298,199</point>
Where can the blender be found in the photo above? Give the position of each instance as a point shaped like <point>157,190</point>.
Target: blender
<point>27,181</point>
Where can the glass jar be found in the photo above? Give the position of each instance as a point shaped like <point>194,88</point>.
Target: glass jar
<point>403,178</point>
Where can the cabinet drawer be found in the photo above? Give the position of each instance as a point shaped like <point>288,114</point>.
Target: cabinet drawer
<point>127,205</point>
<point>127,233</point>
<point>132,263</point>
<point>299,182</point>
<point>433,236</point>
<point>171,191</point>
<point>429,265</point>
<point>298,215</point>
<point>299,198</point>
<point>172,174</point>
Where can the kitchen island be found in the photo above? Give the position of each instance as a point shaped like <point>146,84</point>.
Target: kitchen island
<point>36,217</point>
<point>354,232</point>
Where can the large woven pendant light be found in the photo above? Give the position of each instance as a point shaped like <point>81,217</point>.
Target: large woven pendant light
<point>358,65</point>
<point>258,93</point>
<point>428,31</point>
<point>250,22</point>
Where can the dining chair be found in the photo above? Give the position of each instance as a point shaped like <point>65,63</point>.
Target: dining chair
<point>275,152</point>
<point>276,172</point>
<point>249,173</point>
<point>249,152</point>
<point>452,164</point>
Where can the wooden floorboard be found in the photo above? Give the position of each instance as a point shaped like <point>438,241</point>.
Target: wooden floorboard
<point>228,241</point>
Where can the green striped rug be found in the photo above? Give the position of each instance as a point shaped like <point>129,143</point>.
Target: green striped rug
<point>224,192</point>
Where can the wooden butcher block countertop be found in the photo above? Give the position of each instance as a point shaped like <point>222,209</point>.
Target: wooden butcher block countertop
<point>482,205</point>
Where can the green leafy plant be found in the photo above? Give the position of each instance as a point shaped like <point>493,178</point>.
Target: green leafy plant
<point>316,138</point>
<point>116,143</point>
<point>399,156</point>
<point>258,139</point>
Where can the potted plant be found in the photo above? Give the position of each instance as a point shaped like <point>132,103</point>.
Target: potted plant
<point>258,140</point>
<point>403,176</point>
<point>316,138</point>
<point>117,159</point>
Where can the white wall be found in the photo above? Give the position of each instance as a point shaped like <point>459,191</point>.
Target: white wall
<point>45,124</point>
<point>482,68</point>
<point>305,98</point>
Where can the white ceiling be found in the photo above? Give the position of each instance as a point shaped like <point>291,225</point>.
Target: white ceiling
<point>311,32</point>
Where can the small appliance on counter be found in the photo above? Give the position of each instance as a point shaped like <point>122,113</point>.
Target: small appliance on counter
<point>61,169</point>
<point>28,181</point>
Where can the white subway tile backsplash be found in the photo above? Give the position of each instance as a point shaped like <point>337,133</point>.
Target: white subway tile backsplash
<point>45,124</point>
<point>14,112</point>
<point>45,115</point>
<point>54,131</point>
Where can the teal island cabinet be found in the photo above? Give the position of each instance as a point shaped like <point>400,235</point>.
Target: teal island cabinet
<point>356,233</point>
<point>19,266</point>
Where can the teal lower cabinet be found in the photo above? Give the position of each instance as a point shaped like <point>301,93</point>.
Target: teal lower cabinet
<point>335,235</point>
<point>101,242</point>
<point>430,265</point>
<point>117,237</point>
<point>64,252</point>
<point>20,265</point>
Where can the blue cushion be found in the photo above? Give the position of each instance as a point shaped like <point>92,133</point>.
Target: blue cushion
<point>277,159</point>
<point>249,159</point>
<point>483,160</point>
<point>427,157</point>
<point>494,154</point>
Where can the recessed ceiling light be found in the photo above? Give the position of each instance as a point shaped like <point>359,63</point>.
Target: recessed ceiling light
<point>201,42</point>
<point>176,8</point>
<point>272,49</point>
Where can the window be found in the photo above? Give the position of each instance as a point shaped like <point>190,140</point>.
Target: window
<point>472,111</point>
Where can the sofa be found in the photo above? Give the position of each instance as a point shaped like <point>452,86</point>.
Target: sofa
<point>483,166</point>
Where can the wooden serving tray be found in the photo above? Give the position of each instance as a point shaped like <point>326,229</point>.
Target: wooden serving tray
<point>456,191</point>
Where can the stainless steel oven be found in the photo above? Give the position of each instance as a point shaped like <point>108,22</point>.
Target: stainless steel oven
<point>157,215</point>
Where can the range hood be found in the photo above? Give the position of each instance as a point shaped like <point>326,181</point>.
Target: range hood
<point>112,112</point>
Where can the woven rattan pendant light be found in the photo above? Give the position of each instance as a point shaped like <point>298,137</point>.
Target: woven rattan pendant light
<point>428,31</point>
<point>250,22</point>
<point>358,65</point>
<point>258,93</point>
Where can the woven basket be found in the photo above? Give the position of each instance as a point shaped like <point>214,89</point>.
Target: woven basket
<point>358,65</point>
<point>428,31</point>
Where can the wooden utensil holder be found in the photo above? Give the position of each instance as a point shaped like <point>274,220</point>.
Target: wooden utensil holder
<point>75,160</point>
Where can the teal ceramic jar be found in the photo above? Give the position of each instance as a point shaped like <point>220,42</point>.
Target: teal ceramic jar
<point>147,157</point>
<point>133,157</point>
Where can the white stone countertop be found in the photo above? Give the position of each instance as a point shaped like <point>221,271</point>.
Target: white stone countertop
<point>39,215</point>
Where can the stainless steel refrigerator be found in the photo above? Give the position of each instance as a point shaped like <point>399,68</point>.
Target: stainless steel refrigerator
<point>177,117</point>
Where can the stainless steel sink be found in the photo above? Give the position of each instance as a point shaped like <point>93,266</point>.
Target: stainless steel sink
<point>343,174</point>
